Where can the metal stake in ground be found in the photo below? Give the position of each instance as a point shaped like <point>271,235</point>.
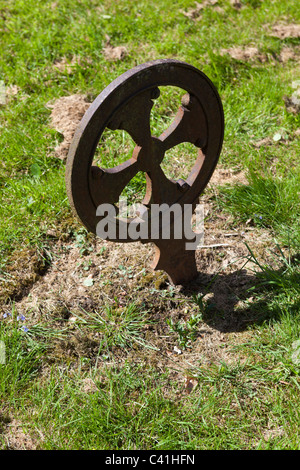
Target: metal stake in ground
<point>126,104</point>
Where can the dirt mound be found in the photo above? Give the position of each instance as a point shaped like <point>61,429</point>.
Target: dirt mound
<point>252,53</point>
<point>115,53</point>
<point>228,176</point>
<point>194,13</point>
<point>245,53</point>
<point>289,53</point>
<point>66,114</point>
<point>284,31</point>
<point>68,66</point>
<point>293,102</point>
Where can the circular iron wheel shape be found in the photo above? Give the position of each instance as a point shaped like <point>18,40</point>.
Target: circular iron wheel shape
<point>126,104</point>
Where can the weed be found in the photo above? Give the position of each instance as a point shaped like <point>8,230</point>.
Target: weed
<point>187,331</point>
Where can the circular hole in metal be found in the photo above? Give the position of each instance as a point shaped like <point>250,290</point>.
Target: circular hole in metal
<point>179,160</point>
<point>114,148</point>
<point>165,108</point>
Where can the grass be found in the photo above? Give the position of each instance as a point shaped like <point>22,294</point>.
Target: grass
<point>22,358</point>
<point>270,201</point>
<point>104,375</point>
<point>120,327</point>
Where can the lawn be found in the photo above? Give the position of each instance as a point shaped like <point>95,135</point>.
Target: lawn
<point>96,350</point>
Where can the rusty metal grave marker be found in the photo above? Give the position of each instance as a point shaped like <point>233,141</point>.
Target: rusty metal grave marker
<point>126,104</point>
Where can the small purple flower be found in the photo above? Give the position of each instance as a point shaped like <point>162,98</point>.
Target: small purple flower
<point>24,328</point>
<point>6,314</point>
<point>21,317</point>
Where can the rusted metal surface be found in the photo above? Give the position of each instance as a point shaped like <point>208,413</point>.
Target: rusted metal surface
<point>126,104</point>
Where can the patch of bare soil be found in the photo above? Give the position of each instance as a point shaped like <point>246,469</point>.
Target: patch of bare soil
<point>266,141</point>
<point>16,438</point>
<point>236,4</point>
<point>245,53</point>
<point>114,53</point>
<point>252,53</point>
<point>12,91</point>
<point>289,53</point>
<point>21,273</point>
<point>293,102</point>
<point>284,31</point>
<point>195,13</point>
<point>66,114</point>
<point>68,65</point>
<point>227,176</point>
<point>75,280</point>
